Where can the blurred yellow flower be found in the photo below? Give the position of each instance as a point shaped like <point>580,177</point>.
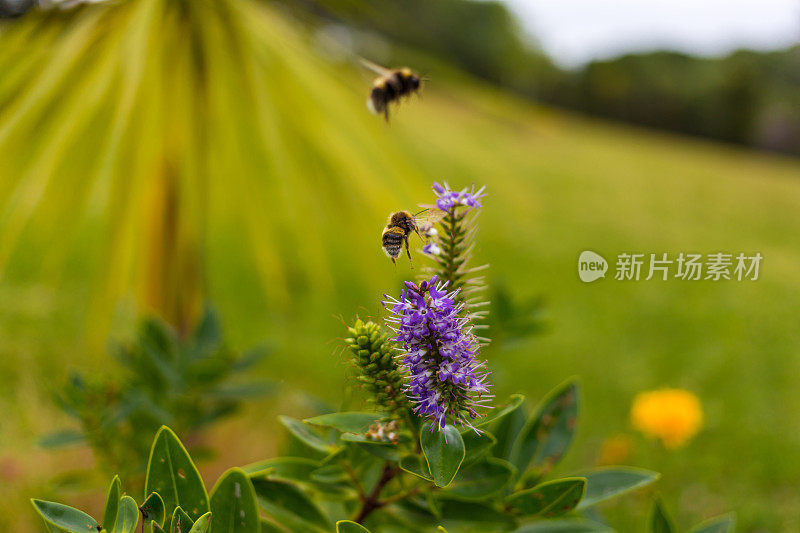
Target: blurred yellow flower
<point>672,415</point>
<point>615,450</point>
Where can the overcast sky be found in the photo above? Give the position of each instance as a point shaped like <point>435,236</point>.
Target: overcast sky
<point>576,31</point>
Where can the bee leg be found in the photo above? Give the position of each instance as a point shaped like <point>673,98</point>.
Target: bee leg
<point>394,261</point>
<point>386,112</point>
<point>408,253</point>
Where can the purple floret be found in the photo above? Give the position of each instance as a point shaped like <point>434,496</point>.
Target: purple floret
<point>446,199</point>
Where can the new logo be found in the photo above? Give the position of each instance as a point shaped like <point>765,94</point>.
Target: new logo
<point>591,266</point>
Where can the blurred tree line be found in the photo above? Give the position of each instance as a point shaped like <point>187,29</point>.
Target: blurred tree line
<point>747,97</point>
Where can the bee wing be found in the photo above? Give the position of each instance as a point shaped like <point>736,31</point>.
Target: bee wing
<point>430,216</point>
<point>374,67</point>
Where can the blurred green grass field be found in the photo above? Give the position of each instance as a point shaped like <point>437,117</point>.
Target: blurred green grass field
<point>292,246</point>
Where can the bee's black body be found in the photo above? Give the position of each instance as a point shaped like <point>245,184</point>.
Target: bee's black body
<point>396,233</point>
<point>390,88</point>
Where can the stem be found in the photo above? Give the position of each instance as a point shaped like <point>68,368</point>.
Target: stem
<point>371,503</point>
<point>356,482</point>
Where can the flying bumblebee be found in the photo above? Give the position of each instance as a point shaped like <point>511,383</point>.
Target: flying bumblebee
<point>399,227</point>
<point>390,86</point>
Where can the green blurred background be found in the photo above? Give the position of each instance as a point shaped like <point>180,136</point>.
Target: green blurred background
<point>157,154</point>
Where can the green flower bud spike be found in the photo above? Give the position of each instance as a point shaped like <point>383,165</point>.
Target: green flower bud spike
<point>373,355</point>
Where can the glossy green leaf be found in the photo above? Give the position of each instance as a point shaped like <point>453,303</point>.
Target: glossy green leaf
<point>482,480</point>
<point>348,526</point>
<point>547,435</point>
<point>444,451</point>
<point>605,483</point>
<point>719,524</point>
<point>289,506</point>
<point>155,528</point>
<point>477,445</point>
<point>112,504</point>
<point>203,524</point>
<point>172,474</point>
<point>306,435</point>
<point>180,522</point>
<point>513,403</point>
<point>564,525</point>
<point>549,499</point>
<point>660,521</point>
<point>153,510</point>
<point>65,517</point>
<point>294,468</point>
<point>346,422</point>
<point>475,516</point>
<point>233,504</point>
<point>128,516</point>
<point>416,465</point>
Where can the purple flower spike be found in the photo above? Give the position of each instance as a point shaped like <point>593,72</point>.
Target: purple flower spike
<point>446,199</point>
<point>444,379</point>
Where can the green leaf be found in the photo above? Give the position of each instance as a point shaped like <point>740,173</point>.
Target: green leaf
<point>482,480</point>
<point>506,430</point>
<point>153,510</point>
<point>513,403</point>
<point>444,451</point>
<point>233,504</point>
<point>289,506</point>
<point>546,436</point>
<point>294,468</point>
<point>172,474</point>
<point>65,517</point>
<point>346,422</point>
<point>416,465</point>
<point>208,334</point>
<point>477,445</point>
<point>348,526</point>
<point>475,516</point>
<point>155,528</point>
<point>660,521</point>
<point>61,438</point>
<point>181,522</point>
<point>112,504</point>
<point>605,483</point>
<point>270,527</point>
<point>565,525</point>
<point>330,474</point>
<point>549,499</point>
<point>306,435</point>
<point>389,453</point>
<point>719,524</point>
<point>128,516</point>
<point>203,524</point>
